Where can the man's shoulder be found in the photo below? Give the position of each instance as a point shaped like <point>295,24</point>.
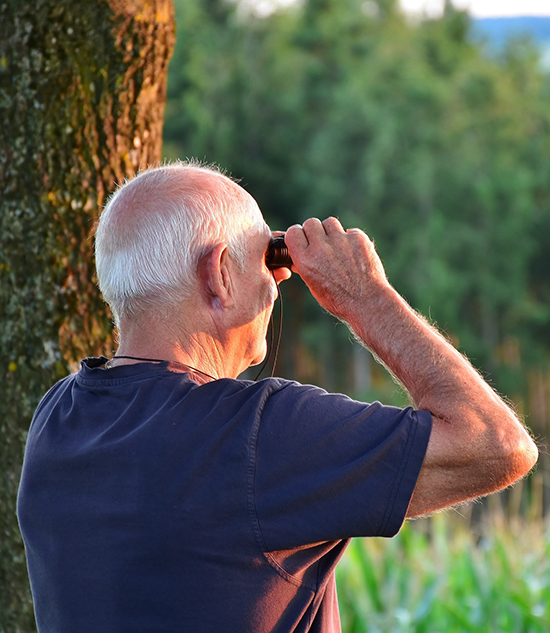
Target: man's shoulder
<point>57,390</point>
<point>280,388</point>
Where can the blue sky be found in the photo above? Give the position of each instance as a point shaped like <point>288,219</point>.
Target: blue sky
<point>483,8</point>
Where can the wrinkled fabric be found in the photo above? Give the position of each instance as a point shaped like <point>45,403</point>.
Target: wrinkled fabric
<point>152,503</point>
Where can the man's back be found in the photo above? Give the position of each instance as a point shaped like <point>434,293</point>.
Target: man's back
<point>151,503</point>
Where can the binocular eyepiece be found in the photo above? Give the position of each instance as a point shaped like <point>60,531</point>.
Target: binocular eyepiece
<point>277,254</point>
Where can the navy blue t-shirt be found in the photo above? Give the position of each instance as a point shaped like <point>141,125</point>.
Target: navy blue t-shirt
<point>152,503</point>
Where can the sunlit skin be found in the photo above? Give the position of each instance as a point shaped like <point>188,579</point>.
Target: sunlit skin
<point>221,329</point>
<point>240,303</point>
<point>477,445</point>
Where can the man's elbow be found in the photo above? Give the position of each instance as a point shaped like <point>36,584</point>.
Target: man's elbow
<point>528,455</point>
<point>459,469</point>
<point>518,460</point>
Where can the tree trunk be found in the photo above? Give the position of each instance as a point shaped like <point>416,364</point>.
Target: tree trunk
<point>82,92</point>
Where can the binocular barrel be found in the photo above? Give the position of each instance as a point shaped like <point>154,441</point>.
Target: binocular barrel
<point>277,254</point>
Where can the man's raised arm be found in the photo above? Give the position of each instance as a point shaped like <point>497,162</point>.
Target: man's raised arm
<point>477,445</point>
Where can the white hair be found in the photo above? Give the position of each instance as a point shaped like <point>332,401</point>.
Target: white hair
<point>156,227</point>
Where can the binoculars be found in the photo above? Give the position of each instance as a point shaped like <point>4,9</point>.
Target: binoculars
<point>277,254</point>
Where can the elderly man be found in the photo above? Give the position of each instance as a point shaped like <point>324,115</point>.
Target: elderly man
<point>160,493</point>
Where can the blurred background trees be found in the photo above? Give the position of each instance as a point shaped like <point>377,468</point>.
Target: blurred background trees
<point>438,146</point>
<point>413,131</point>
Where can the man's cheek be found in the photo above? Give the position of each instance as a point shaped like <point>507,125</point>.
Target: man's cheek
<point>273,292</point>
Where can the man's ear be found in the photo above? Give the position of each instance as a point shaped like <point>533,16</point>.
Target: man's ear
<point>215,276</point>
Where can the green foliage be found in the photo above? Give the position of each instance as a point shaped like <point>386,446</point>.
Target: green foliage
<point>441,153</point>
<point>409,131</point>
<point>438,576</point>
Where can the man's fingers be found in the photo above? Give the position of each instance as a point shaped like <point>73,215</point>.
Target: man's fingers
<point>358,231</point>
<point>295,237</point>
<point>301,236</point>
<point>332,225</point>
<point>314,230</point>
<point>315,233</point>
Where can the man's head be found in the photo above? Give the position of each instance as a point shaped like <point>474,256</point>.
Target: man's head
<point>157,227</point>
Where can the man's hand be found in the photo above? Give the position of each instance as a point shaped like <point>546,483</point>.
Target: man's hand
<point>477,444</point>
<point>341,268</point>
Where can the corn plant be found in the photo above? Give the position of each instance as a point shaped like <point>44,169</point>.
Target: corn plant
<point>440,577</point>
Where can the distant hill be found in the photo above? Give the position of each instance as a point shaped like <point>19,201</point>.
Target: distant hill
<point>498,30</point>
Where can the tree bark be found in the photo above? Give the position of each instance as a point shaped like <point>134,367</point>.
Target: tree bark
<point>82,93</point>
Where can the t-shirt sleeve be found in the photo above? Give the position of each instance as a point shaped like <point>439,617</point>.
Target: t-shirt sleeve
<point>328,467</point>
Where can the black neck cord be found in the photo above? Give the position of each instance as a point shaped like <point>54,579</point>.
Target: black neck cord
<point>160,360</point>
<point>272,348</point>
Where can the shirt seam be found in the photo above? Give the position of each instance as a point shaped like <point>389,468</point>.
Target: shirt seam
<point>253,512</point>
<point>403,469</point>
<point>114,382</point>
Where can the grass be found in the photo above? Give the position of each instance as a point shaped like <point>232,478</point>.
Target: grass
<point>441,575</point>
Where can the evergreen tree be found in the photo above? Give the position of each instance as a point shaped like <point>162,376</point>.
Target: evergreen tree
<point>411,131</point>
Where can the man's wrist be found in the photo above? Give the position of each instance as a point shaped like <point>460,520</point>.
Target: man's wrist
<point>378,314</point>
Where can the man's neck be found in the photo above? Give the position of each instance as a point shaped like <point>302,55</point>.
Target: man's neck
<point>198,350</point>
